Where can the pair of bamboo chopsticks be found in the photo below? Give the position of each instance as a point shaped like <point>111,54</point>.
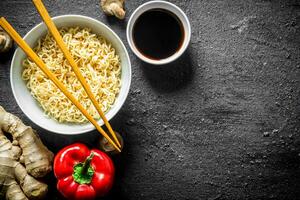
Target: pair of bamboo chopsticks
<point>27,49</point>
<point>52,28</point>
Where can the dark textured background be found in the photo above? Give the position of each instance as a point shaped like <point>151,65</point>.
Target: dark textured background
<point>220,123</point>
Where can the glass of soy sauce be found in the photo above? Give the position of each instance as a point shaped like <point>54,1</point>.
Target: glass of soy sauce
<point>158,32</point>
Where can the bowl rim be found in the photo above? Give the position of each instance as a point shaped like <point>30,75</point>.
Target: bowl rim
<point>100,121</point>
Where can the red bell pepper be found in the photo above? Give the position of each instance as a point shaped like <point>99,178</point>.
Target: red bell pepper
<point>83,174</point>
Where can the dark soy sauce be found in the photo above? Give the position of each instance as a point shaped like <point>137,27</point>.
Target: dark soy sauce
<point>158,34</point>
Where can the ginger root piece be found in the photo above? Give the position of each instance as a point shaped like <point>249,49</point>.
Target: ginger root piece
<point>5,41</point>
<point>105,146</point>
<point>113,7</point>
<point>15,182</point>
<point>37,158</point>
<point>32,188</point>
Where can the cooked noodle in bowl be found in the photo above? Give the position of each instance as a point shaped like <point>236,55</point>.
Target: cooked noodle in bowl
<point>97,61</point>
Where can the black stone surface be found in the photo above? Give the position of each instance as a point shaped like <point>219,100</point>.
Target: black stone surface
<point>222,122</point>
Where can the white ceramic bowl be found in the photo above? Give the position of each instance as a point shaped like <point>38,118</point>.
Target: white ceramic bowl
<point>31,107</point>
<point>157,4</point>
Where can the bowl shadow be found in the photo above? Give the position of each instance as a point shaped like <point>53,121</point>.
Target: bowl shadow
<point>6,56</point>
<point>170,77</point>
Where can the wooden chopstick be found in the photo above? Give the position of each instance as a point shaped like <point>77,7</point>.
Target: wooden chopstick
<point>55,33</point>
<point>27,49</point>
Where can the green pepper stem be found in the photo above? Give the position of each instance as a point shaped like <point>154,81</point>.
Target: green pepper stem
<point>87,163</point>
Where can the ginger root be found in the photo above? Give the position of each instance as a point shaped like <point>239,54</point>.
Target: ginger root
<point>113,7</point>
<point>5,41</point>
<point>105,146</point>
<point>16,181</point>
<point>37,158</point>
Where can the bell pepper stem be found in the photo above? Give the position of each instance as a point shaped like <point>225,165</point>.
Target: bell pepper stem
<point>87,163</point>
<point>83,172</point>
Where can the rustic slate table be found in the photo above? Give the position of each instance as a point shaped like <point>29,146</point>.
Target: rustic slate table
<point>222,122</point>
